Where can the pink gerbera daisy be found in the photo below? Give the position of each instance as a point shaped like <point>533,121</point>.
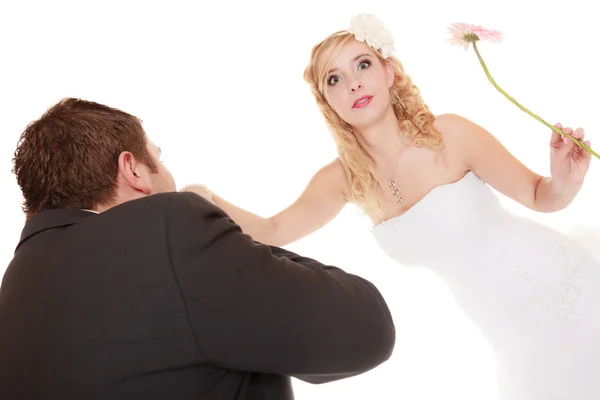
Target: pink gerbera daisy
<point>463,34</point>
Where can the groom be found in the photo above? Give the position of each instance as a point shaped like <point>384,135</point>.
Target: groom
<point>122,288</point>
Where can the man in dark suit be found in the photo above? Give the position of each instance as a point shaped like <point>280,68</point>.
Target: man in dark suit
<point>122,288</point>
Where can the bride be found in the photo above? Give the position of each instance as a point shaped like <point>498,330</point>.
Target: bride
<point>423,180</point>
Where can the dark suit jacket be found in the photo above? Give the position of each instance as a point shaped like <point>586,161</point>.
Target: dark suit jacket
<point>165,298</point>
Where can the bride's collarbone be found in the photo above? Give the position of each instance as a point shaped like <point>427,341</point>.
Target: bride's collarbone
<point>408,194</point>
<point>411,190</point>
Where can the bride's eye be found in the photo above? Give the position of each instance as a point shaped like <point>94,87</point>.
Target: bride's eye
<point>364,64</point>
<point>332,80</point>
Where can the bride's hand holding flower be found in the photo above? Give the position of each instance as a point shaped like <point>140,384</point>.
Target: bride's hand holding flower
<point>569,163</point>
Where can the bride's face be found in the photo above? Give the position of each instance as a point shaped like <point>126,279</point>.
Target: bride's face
<point>357,85</point>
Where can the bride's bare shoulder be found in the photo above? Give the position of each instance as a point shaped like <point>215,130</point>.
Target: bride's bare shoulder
<point>334,175</point>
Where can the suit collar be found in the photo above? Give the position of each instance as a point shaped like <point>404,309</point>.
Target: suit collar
<point>49,219</point>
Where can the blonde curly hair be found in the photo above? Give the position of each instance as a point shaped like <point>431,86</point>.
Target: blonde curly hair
<point>414,118</point>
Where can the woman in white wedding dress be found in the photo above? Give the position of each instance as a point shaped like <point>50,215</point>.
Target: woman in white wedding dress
<point>423,180</point>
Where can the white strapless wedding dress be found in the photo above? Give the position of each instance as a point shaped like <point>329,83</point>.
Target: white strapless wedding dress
<point>534,292</point>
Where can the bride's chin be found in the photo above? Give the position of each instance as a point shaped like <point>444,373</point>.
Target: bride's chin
<point>370,120</point>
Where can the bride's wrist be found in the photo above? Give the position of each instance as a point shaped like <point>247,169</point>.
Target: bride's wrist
<point>566,190</point>
<point>556,194</point>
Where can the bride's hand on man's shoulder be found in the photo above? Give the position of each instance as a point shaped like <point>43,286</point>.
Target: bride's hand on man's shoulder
<point>200,190</point>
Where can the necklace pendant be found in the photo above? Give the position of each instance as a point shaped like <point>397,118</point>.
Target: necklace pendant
<point>395,192</point>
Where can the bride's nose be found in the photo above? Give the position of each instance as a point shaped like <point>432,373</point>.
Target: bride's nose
<point>355,85</point>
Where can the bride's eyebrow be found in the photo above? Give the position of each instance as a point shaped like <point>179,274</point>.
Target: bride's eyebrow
<point>353,60</point>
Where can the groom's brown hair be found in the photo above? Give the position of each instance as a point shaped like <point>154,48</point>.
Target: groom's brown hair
<point>69,157</point>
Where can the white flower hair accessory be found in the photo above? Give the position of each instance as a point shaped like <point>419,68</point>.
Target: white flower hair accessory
<point>367,28</point>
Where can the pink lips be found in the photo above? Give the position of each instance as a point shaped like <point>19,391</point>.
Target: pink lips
<point>362,102</point>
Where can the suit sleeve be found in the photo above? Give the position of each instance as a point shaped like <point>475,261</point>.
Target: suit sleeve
<point>259,308</point>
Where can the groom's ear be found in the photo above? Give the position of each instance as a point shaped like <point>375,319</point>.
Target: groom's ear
<point>134,173</point>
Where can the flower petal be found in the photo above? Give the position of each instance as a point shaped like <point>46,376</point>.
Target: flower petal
<point>463,34</point>
<point>367,28</point>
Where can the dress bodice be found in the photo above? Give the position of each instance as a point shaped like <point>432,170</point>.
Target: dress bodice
<point>516,278</point>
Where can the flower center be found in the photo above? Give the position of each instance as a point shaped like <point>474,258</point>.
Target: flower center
<point>470,37</point>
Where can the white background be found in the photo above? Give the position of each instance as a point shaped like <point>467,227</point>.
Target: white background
<point>219,87</point>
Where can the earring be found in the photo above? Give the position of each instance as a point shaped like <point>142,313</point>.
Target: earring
<point>347,126</point>
<point>395,99</point>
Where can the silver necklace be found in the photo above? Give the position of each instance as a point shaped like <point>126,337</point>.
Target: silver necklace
<point>395,192</point>
<point>392,183</point>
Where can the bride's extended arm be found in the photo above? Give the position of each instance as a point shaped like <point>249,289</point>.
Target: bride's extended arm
<point>322,199</point>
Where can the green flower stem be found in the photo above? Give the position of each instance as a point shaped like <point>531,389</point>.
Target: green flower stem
<point>555,129</point>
